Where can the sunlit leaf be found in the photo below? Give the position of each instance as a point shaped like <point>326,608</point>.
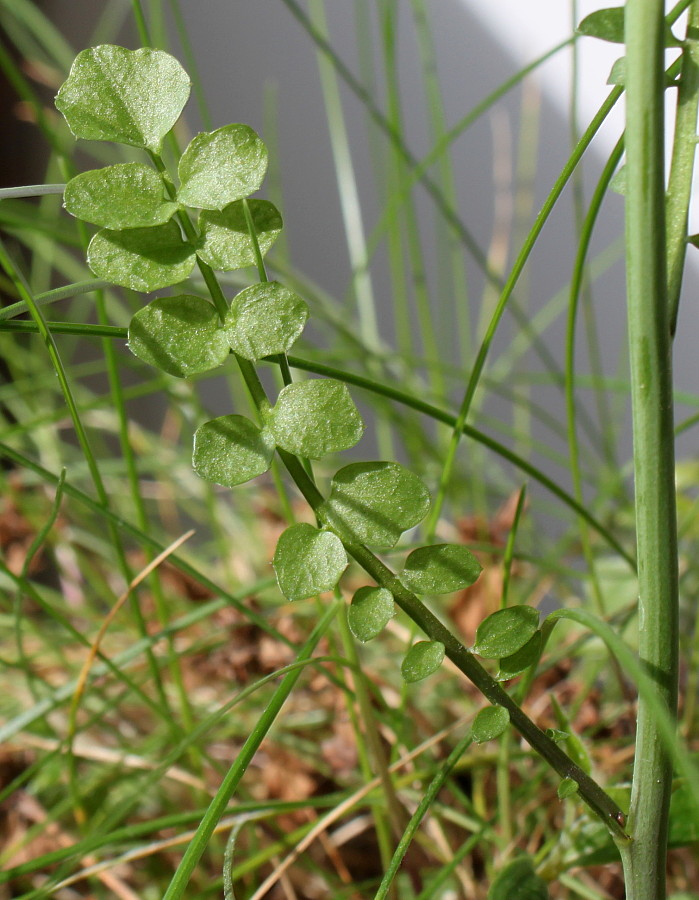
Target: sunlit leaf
<point>231,450</point>
<point>143,259</point>
<point>265,319</point>
<point>506,631</point>
<point>127,195</point>
<point>377,501</point>
<point>521,660</point>
<point>221,166</point>
<point>129,96</point>
<point>422,660</point>
<point>181,335</point>
<point>370,610</point>
<point>308,561</point>
<point>489,723</point>
<point>315,417</point>
<point>567,788</point>
<point>224,238</point>
<point>440,569</point>
<point>518,881</point>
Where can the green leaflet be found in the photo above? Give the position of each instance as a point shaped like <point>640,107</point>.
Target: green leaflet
<point>127,195</point>
<point>265,319</point>
<point>315,417</point>
<point>520,660</point>
<point>224,238</point>
<point>422,660</point>
<point>308,561</point>
<point>377,501</point>
<point>128,96</point>
<point>567,788</point>
<point>506,631</point>
<point>489,723</point>
<point>440,569</point>
<point>231,450</point>
<point>221,166</point>
<point>369,612</point>
<point>181,335</point>
<point>143,259</point>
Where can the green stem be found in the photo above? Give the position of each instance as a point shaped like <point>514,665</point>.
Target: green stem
<point>654,470</point>
<point>229,784</point>
<point>426,802</point>
<point>31,190</point>
<point>682,166</point>
<point>464,660</point>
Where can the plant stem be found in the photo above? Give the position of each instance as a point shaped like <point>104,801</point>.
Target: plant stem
<point>680,182</point>
<point>654,470</point>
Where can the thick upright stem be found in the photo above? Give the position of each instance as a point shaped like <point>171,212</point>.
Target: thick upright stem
<point>654,468</point>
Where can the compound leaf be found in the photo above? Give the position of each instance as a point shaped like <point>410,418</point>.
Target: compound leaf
<point>518,881</point>
<point>312,418</point>
<point>308,561</point>
<point>221,166</point>
<point>370,610</point>
<point>129,96</point>
<point>224,238</point>
<point>231,450</point>
<point>265,319</point>
<point>506,631</point>
<point>377,501</point>
<point>127,195</point>
<point>489,723</point>
<point>440,569</point>
<point>422,660</point>
<point>181,335</point>
<point>143,259</point>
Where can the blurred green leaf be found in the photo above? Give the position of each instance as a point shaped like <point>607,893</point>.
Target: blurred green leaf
<point>127,195</point>
<point>608,25</point>
<point>315,417</point>
<point>489,723</point>
<point>265,319</point>
<point>221,166</point>
<point>181,335</point>
<point>440,569</point>
<point>618,182</point>
<point>617,75</point>
<point>378,501</point>
<point>143,259</point>
<point>224,238</point>
<point>231,450</point>
<point>308,561</point>
<point>129,96</point>
<point>370,610</point>
<point>506,631</point>
<point>422,660</point>
<point>573,746</point>
<point>518,881</point>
